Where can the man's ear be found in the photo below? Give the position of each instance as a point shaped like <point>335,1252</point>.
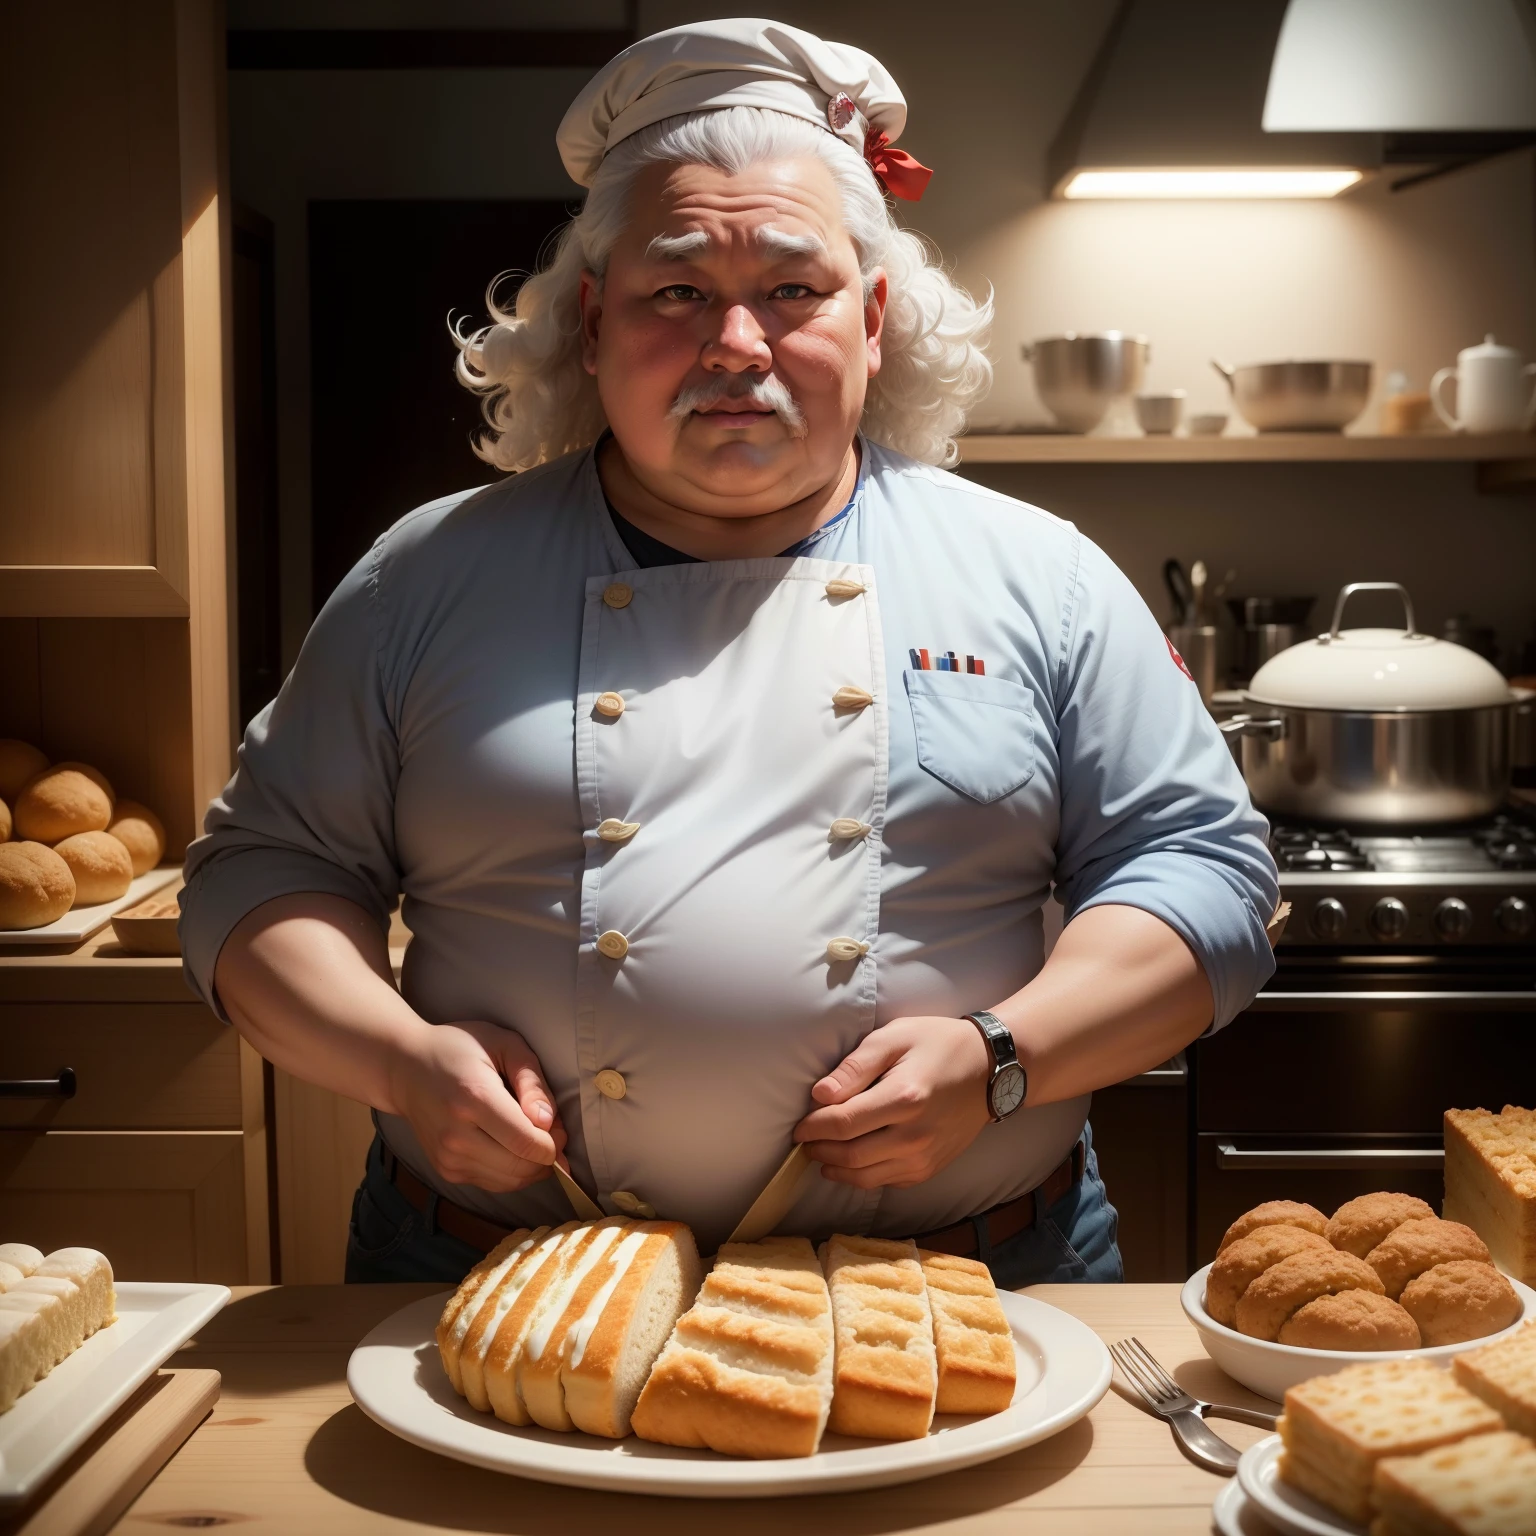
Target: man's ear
<point>874,320</point>
<point>590,297</point>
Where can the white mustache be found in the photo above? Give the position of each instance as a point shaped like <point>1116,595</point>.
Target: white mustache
<point>762,390</point>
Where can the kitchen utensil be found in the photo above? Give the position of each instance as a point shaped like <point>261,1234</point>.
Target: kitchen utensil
<point>1265,627</point>
<point>1298,396</point>
<point>1270,1369</point>
<point>1198,575</point>
<point>1078,377</point>
<point>772,1206</point>
<point>1200,648</point>
<point>1492,390</point>
<point>1208,424</point>
<point>581,1202</point>
<point>1377,726</point>
<point>1178,589</point>
<point>1184,1414</point>
<point>1160,413</point>
<point>1247,611</point>
<point>395,1378</point>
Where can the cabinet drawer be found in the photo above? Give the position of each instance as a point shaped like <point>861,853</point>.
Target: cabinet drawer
<point>170,1066</point>
<point>162,1205</point>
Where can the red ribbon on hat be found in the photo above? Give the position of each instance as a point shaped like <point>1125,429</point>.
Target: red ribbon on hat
<point>895,169</point>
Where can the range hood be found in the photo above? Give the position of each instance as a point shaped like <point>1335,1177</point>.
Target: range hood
<point>1173,106</point>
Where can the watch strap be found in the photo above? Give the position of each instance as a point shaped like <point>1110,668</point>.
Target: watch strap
<point>998,1038</point>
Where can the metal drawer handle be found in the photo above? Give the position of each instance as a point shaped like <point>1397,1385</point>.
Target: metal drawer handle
<point>1346,1159</point>
<point>60,1087</point>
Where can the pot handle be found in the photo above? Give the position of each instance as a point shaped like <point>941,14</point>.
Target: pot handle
<point>1223,370</point>
<point>1247,725</point>
<point>1348,591</point>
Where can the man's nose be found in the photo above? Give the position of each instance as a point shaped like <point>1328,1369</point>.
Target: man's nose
<point>739,343</point>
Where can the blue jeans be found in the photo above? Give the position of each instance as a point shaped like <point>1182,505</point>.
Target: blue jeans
<point>1071,1240</point>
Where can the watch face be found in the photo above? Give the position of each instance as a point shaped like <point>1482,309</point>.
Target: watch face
<point>1007,1090</point>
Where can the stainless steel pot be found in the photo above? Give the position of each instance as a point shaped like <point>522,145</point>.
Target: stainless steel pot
<point>1298,396</point>
<point>1391,765</point>
<point>1079,377</point>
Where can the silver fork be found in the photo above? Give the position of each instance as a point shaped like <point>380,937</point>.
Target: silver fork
<point>1184,1414</point>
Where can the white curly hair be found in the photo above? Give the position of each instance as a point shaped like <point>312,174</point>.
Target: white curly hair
<point>541,402</point>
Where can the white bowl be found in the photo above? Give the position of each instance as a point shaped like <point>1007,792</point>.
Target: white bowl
<point>1271,1369</point>
<point>1208,423</point>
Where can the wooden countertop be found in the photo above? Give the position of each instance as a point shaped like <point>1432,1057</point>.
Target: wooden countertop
<point>287,1450</point>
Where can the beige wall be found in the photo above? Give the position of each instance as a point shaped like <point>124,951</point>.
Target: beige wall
<point>1404,279</point>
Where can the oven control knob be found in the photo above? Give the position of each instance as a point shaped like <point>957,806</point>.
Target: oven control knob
<point>1453,918</point>
<point>1389,918</point>
<point>1515,916</point>
<point>1329,919</point>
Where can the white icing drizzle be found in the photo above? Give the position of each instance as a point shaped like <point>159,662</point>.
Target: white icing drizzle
<point>628,1251</point>
<point>559,1296</point>
<point>471,1310</point>
<point>509,1293</point>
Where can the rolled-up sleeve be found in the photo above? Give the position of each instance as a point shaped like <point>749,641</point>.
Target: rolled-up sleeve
<point>311,805</point>
<point>1154,812</point>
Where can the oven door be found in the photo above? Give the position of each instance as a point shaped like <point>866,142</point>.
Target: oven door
<point>1336,1081</point>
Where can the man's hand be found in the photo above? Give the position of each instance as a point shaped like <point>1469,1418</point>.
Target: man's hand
<point>451,1083</point>
<point>906,1103</point>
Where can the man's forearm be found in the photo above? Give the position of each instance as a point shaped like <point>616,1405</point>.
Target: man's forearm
<point>1120,993</point>
<point>306,979</point>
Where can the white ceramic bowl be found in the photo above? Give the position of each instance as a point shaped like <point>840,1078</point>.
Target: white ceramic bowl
<point>1270,1369</point>
<point>1208,423</point>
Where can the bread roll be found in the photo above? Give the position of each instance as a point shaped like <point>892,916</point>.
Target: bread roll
<point>1360,1224</point>
<point>1275,1213</point>
<point>63,800</point>
<point>36,886</point>
<point>1239,1264</point>
<point>1285,1288</point>
<point>5,822</point>
<point>138,829</point>
<point>102,867</point>
<point>1459,1300</point>
<point>19,761</point>
<point>1351,1320</point>
<point>1408,1250</point>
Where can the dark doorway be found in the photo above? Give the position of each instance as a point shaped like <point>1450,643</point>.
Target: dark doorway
<point>257,574</point>
<point>391,426</point>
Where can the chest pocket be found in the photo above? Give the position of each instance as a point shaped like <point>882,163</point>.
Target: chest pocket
<point>977,734</point>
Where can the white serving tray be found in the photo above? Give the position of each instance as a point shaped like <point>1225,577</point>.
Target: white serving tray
<point>79,923</point>
<point>397,1378</point>
<point>51,1422</point>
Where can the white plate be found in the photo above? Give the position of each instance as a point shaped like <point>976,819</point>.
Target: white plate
<point>1289,1508</point>
<point>79,923</point>
<point>1235,1514</point>
<point>49,1423</point>
<point>397,1378</point>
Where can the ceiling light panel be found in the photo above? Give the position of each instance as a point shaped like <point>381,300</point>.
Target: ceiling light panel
<point>1212,182</point>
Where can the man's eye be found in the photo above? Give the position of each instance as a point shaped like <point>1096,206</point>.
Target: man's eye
<point>679,293</point>
<point>791,291</point>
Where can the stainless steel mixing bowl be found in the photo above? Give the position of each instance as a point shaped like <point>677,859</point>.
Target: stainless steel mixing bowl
<point>1079,377</point>
<point>1297,396</point>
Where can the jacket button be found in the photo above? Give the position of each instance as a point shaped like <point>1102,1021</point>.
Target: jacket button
<point>840,587</point>
<point>841,949</point>
<point>612,830</point>
<point>610,704</point>
<point>849,697</point>
<point>617,594</point>
<point>849,826</point>
<point>613,944</point>
<point>611,1084</point>
<point>632,1205</point>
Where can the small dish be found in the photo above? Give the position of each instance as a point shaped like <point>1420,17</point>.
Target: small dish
<point>149,928</point>
<point>1288,1508</point>
<point>1271,1369</point>
<point>1233,1513</point>
<point>1207,423</point>
<point>1160,414</point>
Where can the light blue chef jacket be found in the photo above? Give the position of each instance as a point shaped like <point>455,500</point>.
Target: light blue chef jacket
<point>443,738</point>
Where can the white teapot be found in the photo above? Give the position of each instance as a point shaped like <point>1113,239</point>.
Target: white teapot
<point>1492,394</point>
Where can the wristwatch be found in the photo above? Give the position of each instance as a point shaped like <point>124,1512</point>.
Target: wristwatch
<point>1009,1082</point>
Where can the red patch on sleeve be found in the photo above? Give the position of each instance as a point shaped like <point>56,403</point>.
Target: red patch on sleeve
<point>1178,660</point>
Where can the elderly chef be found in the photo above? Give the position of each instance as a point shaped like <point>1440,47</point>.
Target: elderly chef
<point>725,754</point>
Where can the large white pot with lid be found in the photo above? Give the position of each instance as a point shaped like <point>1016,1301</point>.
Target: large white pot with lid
<point>1384,727</point>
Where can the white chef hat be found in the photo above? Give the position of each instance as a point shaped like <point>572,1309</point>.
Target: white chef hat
<point>742,62</point>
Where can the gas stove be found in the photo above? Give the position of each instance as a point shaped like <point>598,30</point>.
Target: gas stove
<point>1438,888</point>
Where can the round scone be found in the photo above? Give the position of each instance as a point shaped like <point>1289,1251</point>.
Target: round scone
<point>101,866</point>
<point>1285,1288</point>
<point>138,829</point>
<point>5,822</point>
<point>1360,1224</point>
<point>1460,1300</point>
<point>63,800</point>
<point>1415,1246</point>
<point>1238,1266</point>
<point>19,761</point>
<point>1275,1213</point>
<point>1352,1320</point>
<point>36,886</point>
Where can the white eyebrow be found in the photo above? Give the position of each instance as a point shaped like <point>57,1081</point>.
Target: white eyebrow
<point>677,247</point>
<point>777,244</point>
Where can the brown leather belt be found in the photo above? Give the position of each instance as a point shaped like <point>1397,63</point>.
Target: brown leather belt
<point>963,1239</point>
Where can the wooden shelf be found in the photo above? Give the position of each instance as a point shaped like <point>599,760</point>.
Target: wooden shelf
<point>1504,460</point>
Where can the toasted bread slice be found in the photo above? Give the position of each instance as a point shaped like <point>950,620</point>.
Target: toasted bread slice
<point>649,1279</point>
<point>971,1336</point>
<point>748,1370</point>
<point>885,1379</point>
